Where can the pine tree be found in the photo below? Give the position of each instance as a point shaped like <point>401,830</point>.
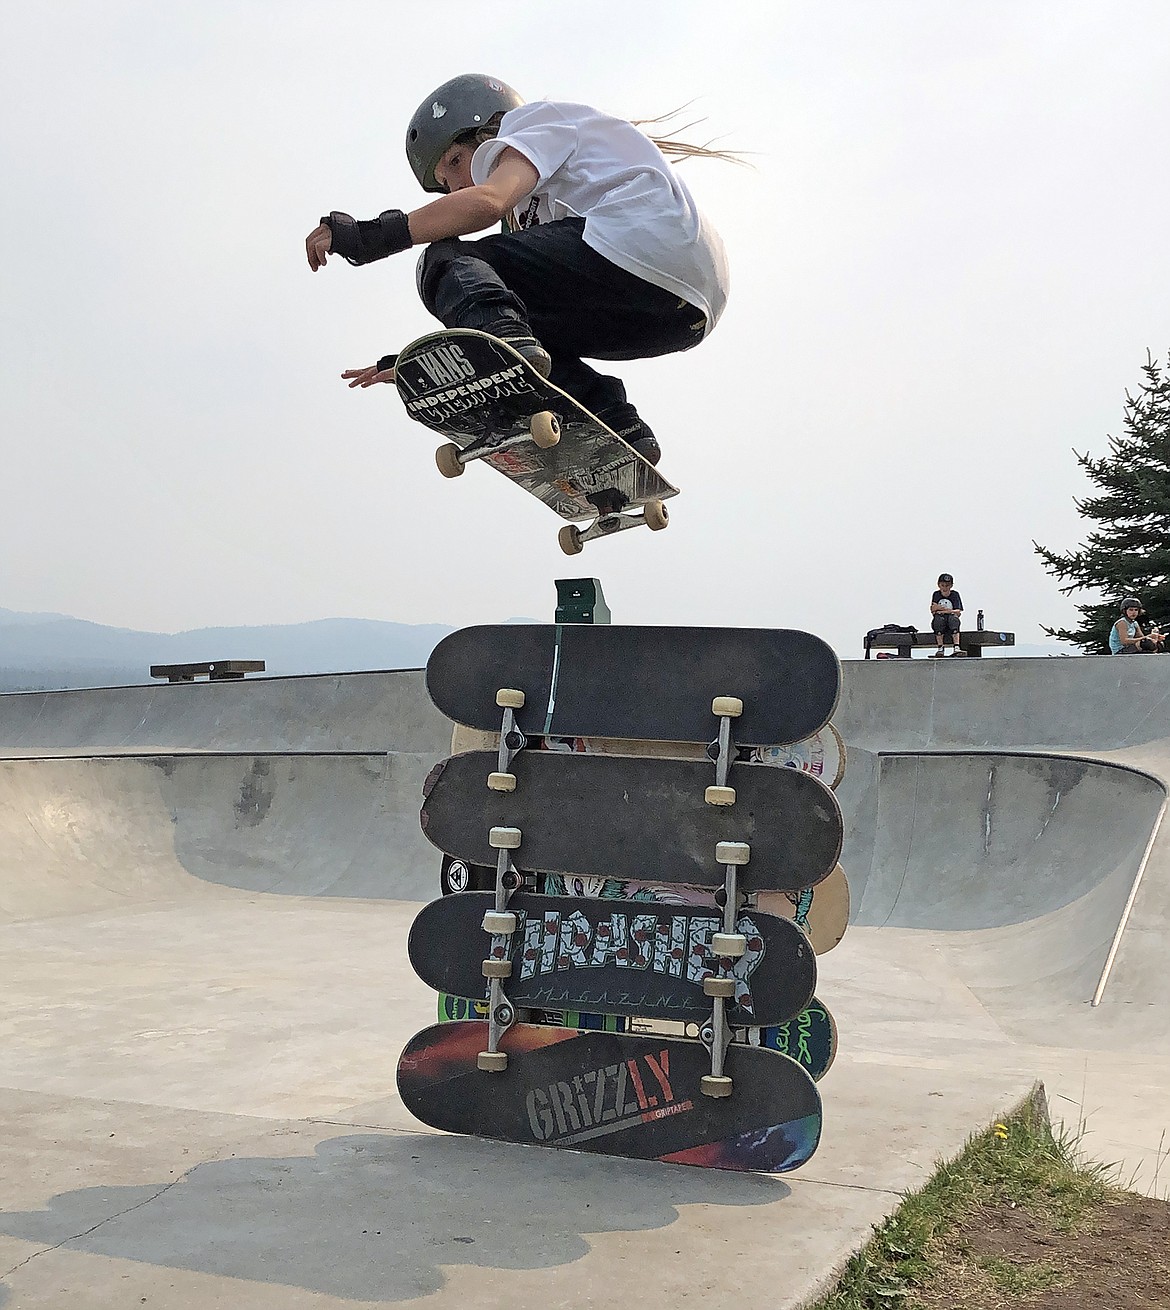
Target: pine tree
<point>1130,553</point>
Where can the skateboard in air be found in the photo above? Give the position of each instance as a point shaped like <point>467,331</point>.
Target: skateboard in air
<point>632,958</point>
<point>492,405</point>
<point>638,683</point>
<point>621,1094</point>
<point>634,817</point>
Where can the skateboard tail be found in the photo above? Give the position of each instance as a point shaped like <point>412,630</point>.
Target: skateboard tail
<point>773,1150</point>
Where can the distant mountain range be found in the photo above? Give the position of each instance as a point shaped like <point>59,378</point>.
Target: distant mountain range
<point>44,651</point>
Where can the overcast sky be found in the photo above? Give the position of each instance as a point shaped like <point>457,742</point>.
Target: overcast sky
<point>948,263</point>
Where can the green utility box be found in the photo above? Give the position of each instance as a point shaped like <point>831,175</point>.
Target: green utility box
<point>579,600</point>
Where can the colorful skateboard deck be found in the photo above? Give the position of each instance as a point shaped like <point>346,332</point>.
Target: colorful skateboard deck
<point>636,817</point>
<point>492,405</point>
<point>615,957</point>
<point>614,1093</point>
<point>639,683</point>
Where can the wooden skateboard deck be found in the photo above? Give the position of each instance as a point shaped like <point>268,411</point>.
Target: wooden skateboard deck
<point>810,1038</point>
<point>822,754</point>
<point>636,818</point>
<point>484,397</point>
<point>615,957</point>
<point>640,683</point>
<point>616,1094</point>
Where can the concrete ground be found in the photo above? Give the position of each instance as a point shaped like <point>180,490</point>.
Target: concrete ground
<point>204,897</point>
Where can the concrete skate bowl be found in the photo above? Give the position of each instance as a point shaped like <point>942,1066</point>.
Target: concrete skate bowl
<point>1018,868</point>
<point>83,834</point>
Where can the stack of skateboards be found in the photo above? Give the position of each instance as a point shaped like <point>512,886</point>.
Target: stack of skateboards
<point>637,977</point>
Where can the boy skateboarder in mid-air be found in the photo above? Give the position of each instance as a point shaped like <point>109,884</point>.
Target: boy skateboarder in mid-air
<point>605,253</point>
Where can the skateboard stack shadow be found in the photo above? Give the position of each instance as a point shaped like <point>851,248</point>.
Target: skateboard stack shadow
<point>627,959</point>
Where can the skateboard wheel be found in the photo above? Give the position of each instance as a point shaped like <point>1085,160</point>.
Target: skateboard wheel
<point>447,460</point>
<point>730,707</point>
<point>492,1061</point>
<point>728,945</point>
<point>508,698</point>
<point>726,852</point>
<point>545,428</point>
<point>715,1085</point>
<point>501,781</point>
<point>719,795</point>
<point>714,986</point>
<point>569,539</point>
<point>496,968</point>
<point>508,839</point>
<point>656,515</point>
<point>499,921</point>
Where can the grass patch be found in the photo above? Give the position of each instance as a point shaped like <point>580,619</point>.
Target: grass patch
<point>1016,1187</point>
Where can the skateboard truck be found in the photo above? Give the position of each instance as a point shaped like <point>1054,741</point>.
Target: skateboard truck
<point>512,740</point>
<point>544,430</point>
<point>496,967</point>
<point>720,751</point>
<point>653,514</point>
<point>727,945</point>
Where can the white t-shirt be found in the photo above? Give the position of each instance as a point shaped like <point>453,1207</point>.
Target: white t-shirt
<point>639,214</point>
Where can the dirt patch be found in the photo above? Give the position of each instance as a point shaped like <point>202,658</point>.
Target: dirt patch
<point>1117,1257</point>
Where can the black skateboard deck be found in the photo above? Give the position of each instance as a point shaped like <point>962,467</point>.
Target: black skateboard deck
<point>492,405</point>
<point>634,817</point>
<point>654,683</point>
<point>615,957</point>
<point>615,1094</point>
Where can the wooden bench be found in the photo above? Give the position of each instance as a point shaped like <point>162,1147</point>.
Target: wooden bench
<point>220,671</point>
<point>970,643</point>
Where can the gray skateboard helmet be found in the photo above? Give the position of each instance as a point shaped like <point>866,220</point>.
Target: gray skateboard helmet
<point>1130,603</point>
<point>457,107</point>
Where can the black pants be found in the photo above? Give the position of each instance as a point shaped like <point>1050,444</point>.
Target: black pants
<point>545,281</point>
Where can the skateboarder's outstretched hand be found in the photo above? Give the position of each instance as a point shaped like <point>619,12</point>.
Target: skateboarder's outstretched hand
<point>318,246</point>
<point>366,377</point>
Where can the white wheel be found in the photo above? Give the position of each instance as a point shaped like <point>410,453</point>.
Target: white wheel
<point>710,1085</point>
<point>569,539</point>
<point>507,839</point>
<point>730,707</point>
<point>545,428</point>
<point>719,795</point>
<point>496,968</point>
<point>733,852</point>
<point>724,987</point>
<point>728,945</point>
<point>499,921</point>
<point>656,516</point>
<point>502,781</point>
<point>447,459</point>
<point>492,1061</point>
<point>508,698</point>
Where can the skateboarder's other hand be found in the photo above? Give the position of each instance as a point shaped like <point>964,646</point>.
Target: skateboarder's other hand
<point>318,244</point>
<point>366,377</point>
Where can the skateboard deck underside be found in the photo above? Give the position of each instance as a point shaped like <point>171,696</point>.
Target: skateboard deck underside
<point>810,1038</point>
<point>822,754</point>
<point>616,957</point>
<point>637,683</point>
<point>473,389</point>
<point>637,818</point>
<point>614,1093</point>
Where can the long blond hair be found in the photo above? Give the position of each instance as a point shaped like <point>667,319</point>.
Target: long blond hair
<point>670,143</point>
<point>674,147</point>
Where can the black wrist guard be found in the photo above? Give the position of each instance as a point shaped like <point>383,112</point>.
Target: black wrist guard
<point>371,239</point>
